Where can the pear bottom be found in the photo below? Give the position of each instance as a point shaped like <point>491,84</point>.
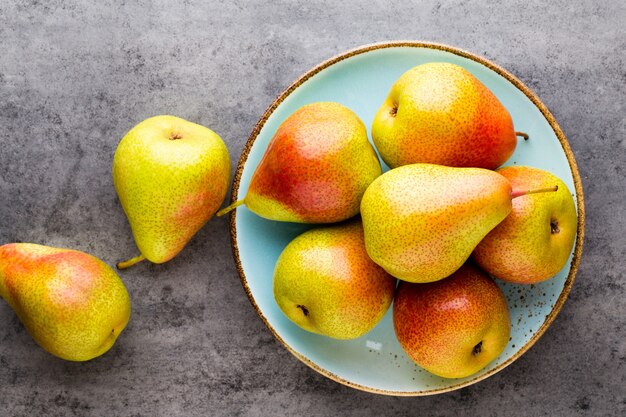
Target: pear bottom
<point>72,304</point>
<point>325,283</point>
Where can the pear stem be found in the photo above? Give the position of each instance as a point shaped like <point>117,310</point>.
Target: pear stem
<point>520,193</point>
<point>230,208</point>
<point>130,262</point>
<point>522,134</point>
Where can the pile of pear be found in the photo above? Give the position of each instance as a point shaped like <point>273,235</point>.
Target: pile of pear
<point>444,220</point>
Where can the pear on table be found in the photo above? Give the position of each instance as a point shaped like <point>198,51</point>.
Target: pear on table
<point>453,327</point>
<point>439,113</point>
<point>171,176</point>
<point>325,282</point>
<point>71,303</point>
<point>315,169</point>
<point>534,242</point>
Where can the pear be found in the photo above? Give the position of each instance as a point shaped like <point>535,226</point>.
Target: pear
<point>534,242</point>
<point>453,327</point>
<point>171,176</point>
<point>71,303</point>
<point>315,169</point>
<point>422,221</point>
<point>326,284</point>
<point>439,113</point>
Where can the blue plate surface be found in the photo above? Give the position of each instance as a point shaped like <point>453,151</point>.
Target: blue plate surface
<point>360,79</point>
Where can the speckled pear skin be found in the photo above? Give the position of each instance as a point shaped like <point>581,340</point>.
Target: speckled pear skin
<point>171,176</point>
<point>316,167</point>
<point>534,242</point>
<point>453,327</point>
<point>422,221</point>
<point>71,303</point>
<point>439,113</point>
<point>325,282</point>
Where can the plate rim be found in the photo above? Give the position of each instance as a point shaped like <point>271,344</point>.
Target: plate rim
<point>500,71</point>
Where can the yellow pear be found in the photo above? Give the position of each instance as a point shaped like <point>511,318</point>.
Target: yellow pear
<point>325,282</point>
<point>422,221</point>
<point>534,242</point>
<point>171,176</point>
<point>72,304</point>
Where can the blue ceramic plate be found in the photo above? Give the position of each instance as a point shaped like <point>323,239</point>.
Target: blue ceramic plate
<point>360,79</point>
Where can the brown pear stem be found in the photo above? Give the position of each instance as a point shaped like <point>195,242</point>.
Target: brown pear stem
<point>520,193</point>
<point>130,262</point>
<point>522,134</point>
<point>230,208</point>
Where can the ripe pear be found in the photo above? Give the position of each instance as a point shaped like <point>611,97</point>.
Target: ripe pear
<point>454,327</point>
<point>171,176</point>
<point>534,242</point>
<point>71,303</point>
<point>315,169</point>
<point>439,113</point>
<point>326,284</point>
<point>422,221</point>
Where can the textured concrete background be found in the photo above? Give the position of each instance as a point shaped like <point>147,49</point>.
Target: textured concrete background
<point>75,76</point>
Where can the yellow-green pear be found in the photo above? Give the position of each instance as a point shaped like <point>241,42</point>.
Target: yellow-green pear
<point>422,221</point>
<point>171,176</point>
<point>325,282</point>
<point>72,304</point>
<point>534,242</point>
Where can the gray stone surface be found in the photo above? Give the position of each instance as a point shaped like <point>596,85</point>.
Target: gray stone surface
<point>76,75</point>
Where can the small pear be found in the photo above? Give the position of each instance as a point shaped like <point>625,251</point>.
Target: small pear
<point>325,282</point>
<point>439,113</point>
<point>171,176</point>
<point>71,303</point>
<point>315,169</point>
<point>422,221</point>
<point>453,327</point>
<point>534,242</point>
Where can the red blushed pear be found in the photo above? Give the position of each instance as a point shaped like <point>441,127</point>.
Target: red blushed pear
<point>454,327</point>
<point>315,169</point>
<point>534,242</point>
<point>72,304</point>
<point>439,113</point>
